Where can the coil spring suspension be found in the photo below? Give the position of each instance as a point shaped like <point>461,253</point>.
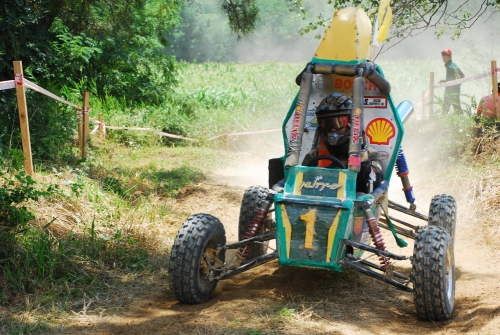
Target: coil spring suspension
<point>378,239</point>
<point>253,229</point>
<point>403,171</point>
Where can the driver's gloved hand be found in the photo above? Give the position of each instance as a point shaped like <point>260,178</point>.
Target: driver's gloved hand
<point>312,154</point>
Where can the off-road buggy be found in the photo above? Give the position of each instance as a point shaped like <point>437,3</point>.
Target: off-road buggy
<point>318,220</point>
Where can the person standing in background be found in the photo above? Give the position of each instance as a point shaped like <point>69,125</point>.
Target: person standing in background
<point>451,93</point>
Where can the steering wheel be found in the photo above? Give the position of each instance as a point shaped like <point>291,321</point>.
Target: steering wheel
<point>336,163</point>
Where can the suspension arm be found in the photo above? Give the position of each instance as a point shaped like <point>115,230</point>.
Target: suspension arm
<point>375,266</point>
<point>402,209</point>
<point>376,275</point>
<point>260,238</point>
<point>376,251</point>
<point>250,265</point>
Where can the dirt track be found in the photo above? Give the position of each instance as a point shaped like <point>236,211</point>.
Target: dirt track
<point>321,302</point>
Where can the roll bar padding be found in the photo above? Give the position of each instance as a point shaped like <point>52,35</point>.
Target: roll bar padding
<point>351,70</point>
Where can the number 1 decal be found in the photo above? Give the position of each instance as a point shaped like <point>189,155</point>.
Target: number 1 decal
<point>310,219</point>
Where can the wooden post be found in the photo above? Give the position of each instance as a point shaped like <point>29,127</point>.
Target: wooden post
<point>227,139</point>
<point>23,117</point>
<point>423,105</point>
<point>85,127</point>
<point>101,126</point>
<point>494,86</point>
<point>431,95</point>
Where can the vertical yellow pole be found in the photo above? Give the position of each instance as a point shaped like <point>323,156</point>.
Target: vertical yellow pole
<point>85,128</point>
<point>431,95</point>
<point>23,117</point>
<point>494,86</point>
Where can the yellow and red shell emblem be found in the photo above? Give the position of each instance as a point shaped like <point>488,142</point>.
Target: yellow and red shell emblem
<point>380,131</point>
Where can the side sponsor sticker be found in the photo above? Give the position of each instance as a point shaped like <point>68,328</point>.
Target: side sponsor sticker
<point>375,102</point>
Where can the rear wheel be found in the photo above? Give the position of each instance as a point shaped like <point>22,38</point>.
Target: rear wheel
<point>433,273</point>
<point>443,213</point>
<point>249,205</point>
<point>194,258</point>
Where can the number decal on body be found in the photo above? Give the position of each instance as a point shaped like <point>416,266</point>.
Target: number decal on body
<point>310,219</point>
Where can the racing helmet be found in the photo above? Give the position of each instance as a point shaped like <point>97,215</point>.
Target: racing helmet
<point>334,113</point>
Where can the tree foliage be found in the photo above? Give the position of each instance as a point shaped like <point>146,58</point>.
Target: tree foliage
<point>110,48</point>
<point>118,44</point>
<point>242,15</point>
<point>410,17</point>
<point>203,35</point>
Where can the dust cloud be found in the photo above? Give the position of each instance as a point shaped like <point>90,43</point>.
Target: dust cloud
<point>251,158</point>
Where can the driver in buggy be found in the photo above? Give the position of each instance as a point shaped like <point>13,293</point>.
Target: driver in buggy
<point>333,137</point>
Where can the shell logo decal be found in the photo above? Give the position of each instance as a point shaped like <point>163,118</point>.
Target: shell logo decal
<point>380,131</point>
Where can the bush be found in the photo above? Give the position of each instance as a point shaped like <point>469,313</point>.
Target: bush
<point>52,126</point>
<point>16,189</point>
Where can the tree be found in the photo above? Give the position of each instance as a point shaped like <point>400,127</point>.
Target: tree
<point>203,35</point>
<point>410,17</point>
<point>242,15</point>
<point>118,44</point>
<point>106,47</point>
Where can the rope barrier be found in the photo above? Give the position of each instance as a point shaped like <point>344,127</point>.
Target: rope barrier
<point>38,89</point>
<point>8,84</point>
<point>466,79</point>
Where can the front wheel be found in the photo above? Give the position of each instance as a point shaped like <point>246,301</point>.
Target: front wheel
<point>433,273</point>
<point>194,259</point>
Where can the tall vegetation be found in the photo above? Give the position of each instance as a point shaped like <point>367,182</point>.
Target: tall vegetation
<point>117,44</point>
<point>110,48</point>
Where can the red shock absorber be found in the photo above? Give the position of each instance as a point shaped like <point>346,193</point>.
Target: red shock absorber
<point>254,227</point>
<point>376,235</point>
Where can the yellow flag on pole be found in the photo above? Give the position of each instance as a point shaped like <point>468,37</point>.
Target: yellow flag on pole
<point>384,19</point>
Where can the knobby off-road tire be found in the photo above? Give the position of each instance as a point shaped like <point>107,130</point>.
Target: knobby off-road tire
<point>188,279</point>
<point>251,199</point>
<point>433,273</point>
<point>443,213</point>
